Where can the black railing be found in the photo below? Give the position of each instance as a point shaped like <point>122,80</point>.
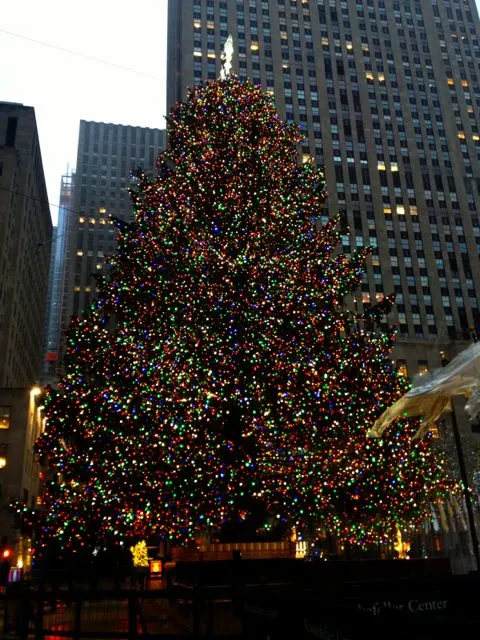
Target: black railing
<point>180,612</point>
<point>419,608</point>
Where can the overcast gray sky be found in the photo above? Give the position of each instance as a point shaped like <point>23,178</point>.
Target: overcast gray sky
<point>66,88</point>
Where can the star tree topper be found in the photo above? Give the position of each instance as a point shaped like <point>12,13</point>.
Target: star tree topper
<point>227,57</point>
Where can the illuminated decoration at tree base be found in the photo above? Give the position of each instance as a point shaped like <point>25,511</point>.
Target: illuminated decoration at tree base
<point>220,380</point>
<point>401,546</point>
<point>140,554</point>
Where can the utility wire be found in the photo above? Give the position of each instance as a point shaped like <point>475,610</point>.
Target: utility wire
<point>80,55</point>
<point>57,206</point>
<point>41,200</point>
<point>25,195</point>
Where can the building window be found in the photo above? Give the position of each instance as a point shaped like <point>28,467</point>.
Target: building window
<point>5,417</point>
<point>3,456</point>
<point>11,131</point>
<point>402,368</point>
<point>422,366</point>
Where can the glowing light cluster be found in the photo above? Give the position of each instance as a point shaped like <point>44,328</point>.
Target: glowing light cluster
<point>220,374</point>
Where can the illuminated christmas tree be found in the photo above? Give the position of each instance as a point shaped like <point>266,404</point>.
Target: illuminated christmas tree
<point>220,377</point>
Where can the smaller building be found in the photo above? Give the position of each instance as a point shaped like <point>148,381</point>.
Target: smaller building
<point>21,423</point>
<point>56,284</point>
<point>107,155</point>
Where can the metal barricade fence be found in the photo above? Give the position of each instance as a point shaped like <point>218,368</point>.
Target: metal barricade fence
<point>419,609</point>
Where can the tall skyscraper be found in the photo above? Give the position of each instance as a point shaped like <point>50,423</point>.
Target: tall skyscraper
<point>107,153</point>
<point>388,95</point>
<point>56,283</point>
<point>25,236</point>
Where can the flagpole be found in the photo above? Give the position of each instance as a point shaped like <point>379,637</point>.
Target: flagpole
<point>463,475</point>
